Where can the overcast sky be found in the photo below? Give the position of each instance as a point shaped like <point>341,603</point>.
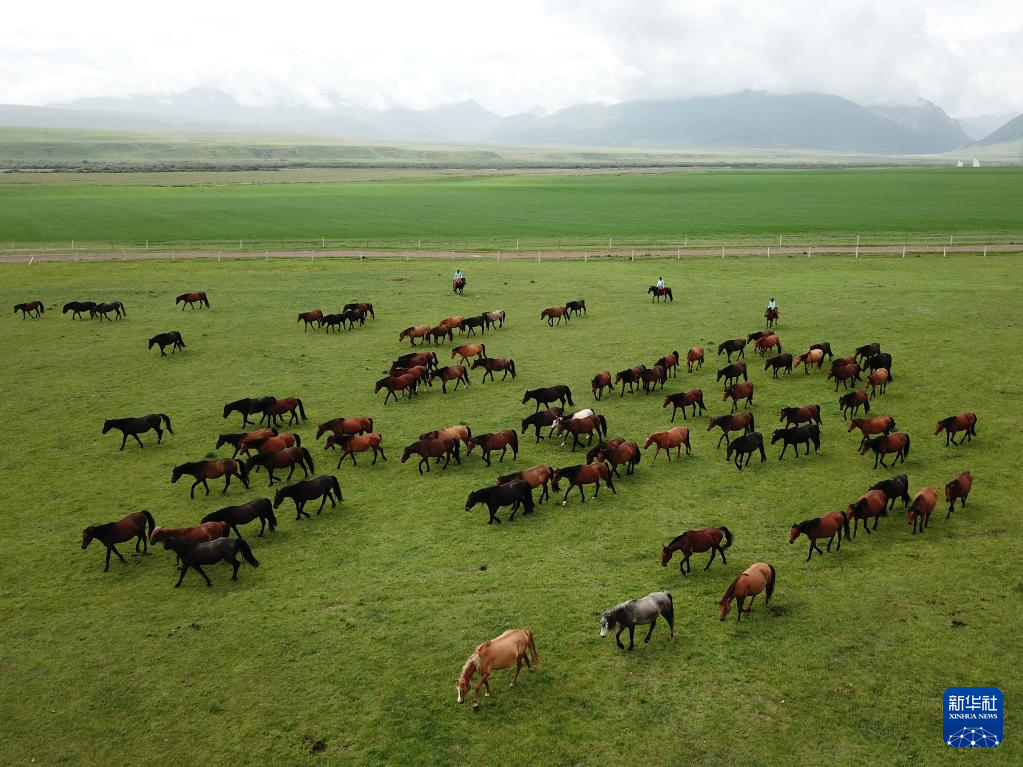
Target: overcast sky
<point>510,56</point>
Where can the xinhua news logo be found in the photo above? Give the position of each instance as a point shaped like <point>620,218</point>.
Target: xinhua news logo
<point>973,717</point>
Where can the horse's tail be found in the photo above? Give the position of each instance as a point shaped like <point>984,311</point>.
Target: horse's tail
<point>308,459</point>
<point>669,613</point>
<point>603,425</point>
<point>298,441</point>
<point>124,309</point>
<point>752,422</point>
<point>271,518</point>
<point>514,441</point>
<point>336,486</point>
<point>728,537</point>
<point>866,406</point>
<point>150,522</point>
<point>772,579</point>
<point>370,423</point>
<point>568,393</point>
<point>301,409</point>
<point>532,647</point>
<point>511,367</point>
<point>166,419</point>
<point>42,308</point>
<point>906,451</point>
<point>845,523</point>
<point>243,547</point>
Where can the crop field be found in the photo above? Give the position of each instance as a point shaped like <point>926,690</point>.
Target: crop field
<point>344,645</point>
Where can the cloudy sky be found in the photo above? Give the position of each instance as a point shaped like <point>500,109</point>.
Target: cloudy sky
<point>510,56</point>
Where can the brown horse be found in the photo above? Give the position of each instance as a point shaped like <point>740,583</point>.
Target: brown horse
<point>739,391</point>
<point>882,424</point>
<point>844,374</point>
<point>339,426</point>
<point>130,526</point>
<point>459,432</point>
<point>242,442</point>
<point>540,420</point>
<point>851,402</point>
<point>732,373</point>
<point>583,474</point>
<point>600,382</point>
<point>867,350</point>
<point>771,317</point>
<point>578,306</point>
<point>132,427</point>
<point>37,307</point>
<point>415,358</point>
<point>751,337</point>
<point>439,333</point>
<point>499,440</point>
<point>405,383</point>
<point>538,476</point>
<point>958,489</point>
<point>288,458</point>
<point>625,453</point>
<point>465,351</point>
<point>765,344</point>
<point>433,448</point>
<point>500,652</point>
<point>824,346</point>
<point>659,293</point>
<point>191,299</point>
<point>455,323</point>
<point>812,357</point>
<point>732,346</point>
<point>172,339</point>
<point>455,373</point>
<point>490,364</point>
<point>291,405</point>
<point>793,416</point>
<point>878,380</point>
<point>365,308</point>
<point>312,317</point>
<point>897,443</point>
<point>729,423</point>
<point>273,444</point>
<point>744,447</point>
<point>651,377</point>
<point>667,440</point>
<point>205,470</point>
<point>754,579</point>
<point>586,425</point>
<point>683,400</point>
<point>630,376</point>
<point>412,333</point>
<point>919,510</point>
<point>872,504</point>
<point>781,362</point>
<point>207,531</point>
<point>601,446</point>
<point>953,424</point>
<point>324,486</point>
<point>352,444</point>
<point>694,357</point>
<point>669,362</point>
<point>495,317</point>
<point>826,526</point>
<point>696,542</point>
<point>556,312</point>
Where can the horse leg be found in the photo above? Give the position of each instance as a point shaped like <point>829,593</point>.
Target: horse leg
<point>713,551</point>
<point>632,637</point>
<point>784,445</point>
<point>739,611</point>
<point>581,493</point>
<point>518,670</point>
<point>184,569</point>
<point>191,493</point>
<point>198,568</point>
<point>813,542</point>
<point>651,631</point>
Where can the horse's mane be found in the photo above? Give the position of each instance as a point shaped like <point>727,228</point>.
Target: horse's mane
<point>98,530</point>
<point>678,538</point>
<point>570,471</point>
<point>730,592</point>
<point>946,422</point>
<point>808,525</point>
<point>481,437</point>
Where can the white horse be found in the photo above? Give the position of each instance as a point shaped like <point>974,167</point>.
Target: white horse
<point>635,612</point>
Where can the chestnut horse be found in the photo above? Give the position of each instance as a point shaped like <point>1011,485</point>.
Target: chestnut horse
<point>412,333</point>
<point>746,445</point>
<point>627,453</point>
<point>731,346</point>
<point>341,426</point>
<point>696,542</point>
<point>585,425</point>
<point>683,400</point>
<point>958,489</point>
<point>651,377</point>
<point>872,503</point>
<point>729,423</point>
<point>407,383</point>
<point>737,392</point>
<point>844,374</point>
<point>583,474</point>
<point>288,458</point>
<point>29,307</point>
<point>754,579</point>
<point>455,373</point>
<point>291,405</point>
<point>490,364</point>
<point>538,476</point>
<point>963,422</point>
<point>488,443</point>
<point>765,344</point>
<point>439,333</point>
<point>133,525</point>
<point>919,511</point>
<point>433,448</point>
<point>500,652</point>
<point>458,433</point>
<point>771,317</point>
<point>878,380</point>
<point>850,403</point>
<point>669,362</point>
<point>793,416</point>
<point>469,350</point>
<point>312,317</point>
<point>272,444</point>
<point>205,470</point>
<point>666,440</point>
<point>694,357</point>
<point>896,442</point>
<point>812,357</point>
<point>601,446</point>
<point>882,424</point>
<point>416,358</point>
<point>207,531</point>
<point>558,312</point>
<point>600,382</point>
<point>540,420</point>
<point>453,322</point>
<point>191,299</point>
<point>826,526</point>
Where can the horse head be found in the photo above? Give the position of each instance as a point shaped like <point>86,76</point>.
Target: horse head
<point>607,618</point>
<point>89,532</point>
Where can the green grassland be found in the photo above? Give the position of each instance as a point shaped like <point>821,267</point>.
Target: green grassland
<point>888,206</point>
<point>354,627</point>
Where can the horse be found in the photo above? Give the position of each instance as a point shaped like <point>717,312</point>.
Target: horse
<point>332,321</point>
<point>579,306</point>
<point>601,446</point>
<point>540,420</point>
<point>132,427</point>
<point>439,333</point>
<point>205,470</point>
<point>638,612</point>
<point>249,406</point>
<point>291,405</point>
<point>324,486</point>
<point>453,322</point>
<point>683,400</point>
<point>732,346</point>
<point>465,351</point>
<point>459,432</point>
<point>751,337</point>
<point>471,323</point>
<point>867,350</point>
<point>896,442</point>
<point>727,423</point>
<point>765,344</point>
<point>796,436</point>
<point>731,373</point>
<point>825,526</point>
<point>583,474</point>
<point>956,423</point>
<point>844,374</point>
<point>659,293</point>
<point>433,448</point>
<point>626,452</point>
<point>694,357</point>
<point>195,555</point>
<point>405,383</point>
<point>750,582</point>
<point>957,489</point>
<point>191,299</point>
<point>670,363</point>
<point>272,444</point>
<point>207,531</point>
<point>739,391</point>
<point>555,312</point>
<point>873,503</point>
<point>651,377</point>
<point>696,542</point>
<point>882,424</point>
<point>850,403</point>
<point>77,308</point>
<point>288,458</point>
<point>351,316</point>
<point>746,445</point>
<point>793,416</point>
<point>557,393</point>
<point>340,426</point>
<point>488,443</point>
<point>894,488</point>
<point>458,286</point>
<point>365,308</point>
<point>919,511</point>
<point>824,346</point>
<point>242,442</point>
<point>514,493</point>
<point>172,339</point>
<point>416,358</point>
<point>781,362</point>
<point>841,362</point>
<point>878,361</point>
<point>412,333</point>
<point>243,513</point>
<point>102,310</point>
<point>667,440</point>
<point>134,525</point>
<point>600,382</point>
<point>495,317</point>
<point>35,308</point>
<point>538,476</point>
<point>490,364</point>
<point>497,653</point>
<point>812,357</point>
<point>878,380</point>
<point>586,425</point>
<point>630,376</point>
<point>771,317</point>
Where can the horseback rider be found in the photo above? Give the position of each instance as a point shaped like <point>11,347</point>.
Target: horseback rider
<point>772,304</point>
<point>660,284</point>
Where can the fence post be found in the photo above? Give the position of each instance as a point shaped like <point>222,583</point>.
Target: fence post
<point>985,251</point>
<point>722,252</point>
<point>147,244</point>
<point>857,246</point>
<point>538,256</point>
<point>779,240</point>
<point>516,244</point>
<point>768,251</point>
<point>809,251</point>
<point>686,245</point>
<point>678,256</point>
<point>903,251</point>
<point>944,252</point>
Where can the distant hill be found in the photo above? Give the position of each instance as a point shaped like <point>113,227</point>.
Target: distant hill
<point>979,126</point>
<point>1011,131</point>
<point>934,129</point>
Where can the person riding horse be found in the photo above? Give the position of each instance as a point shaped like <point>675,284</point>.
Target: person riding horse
<point>772,304</point>
<point>660,283</point>
<point>458,281</point>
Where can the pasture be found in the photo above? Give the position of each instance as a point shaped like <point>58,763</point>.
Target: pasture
<point>344,645</point>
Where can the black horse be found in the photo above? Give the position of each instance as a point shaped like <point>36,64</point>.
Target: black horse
<point>195,555</point>
<point>102,310</point>
<point>78,308</point>
<point>780,362</point>
<point>243,513</point>
<point>515,493</point>
<point>542,420</point>
<point>659,293</point>
<point>732,346</point>
<point>732,372</point>
<point>336,321</point>
<point>878,361</point>
<point>579,307</point>
<point>163,340</point>
<point>132,427</point>
<point>249,406</point>
<point>746,445</point>
<point>894,488</point>
<point>824,346</point>
<point>796,436</point>
<point>558,393</point>
<point>324,486</point>
<point>471,323</point>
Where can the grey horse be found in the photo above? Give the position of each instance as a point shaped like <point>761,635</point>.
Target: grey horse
<point>635,612</point>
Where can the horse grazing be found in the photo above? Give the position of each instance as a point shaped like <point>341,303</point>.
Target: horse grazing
<point>851,402</point>
<point>765,344</point>
<point>579,306</point>
<point>433,448</point>
<point>729,423</point>
<point>191,299</point>
<point>732,346</point>
<point>538,476</point>
<point>600,382</point>
<point>406,383</point>
<point>670,363</point>
<point>651,377</point>
<point>745,446</point>
<point>488,443</point>
<point>694,357</point>
<point>365,308</point>
<point>958,489</point>
<point>163,340</point>
<point>202,471</point>
<point>625,453</point>
<point>311,317</point>
<point>696,542</point>
<point>659,293</point>
<point>514,493</point>
<point>465,351</point>
<point>882,424</point>
<point>195,555</point>
<point>781,362</point>
<point>844,374</point>
<point>324,486</point>
<point>412,333</point>
<point>495,317</point>
<point>751,581</point>
<point>793,416</point>
<point>919,511</point>
<point>878,380</point>
<point>249,406</point>
<point>796,436</point>
<point>557,393</point>
<point>732,373</point>
<point>872,504</point>
<point>77,308</point>
<point>556,312</point>
<point>540,420</point>
<point>956,423</point>
<point>500,652</point>
<point>826,526</point>
<point>638,612</point>
<point>771,317</point>
<point>102,310</point>
<point>630,376</point>
<point>824,346</point>
<point>438,333</point>
<point>867,350</point>
<point>132,427</point>
<point>134,525</point>
<point>490,364</point>
<point>739,391</point>
<point>668,440</point>
<point>683,400</point>
<point>583,474</point>
<point>897,443</point>
<point>288,458</point>
<point>291,405</point>
<point>35,308</point>
<point>894,488</point>
<point>243,513</point>
<point>812,357</point>
<point>340,426</point>
<point>584,425</point>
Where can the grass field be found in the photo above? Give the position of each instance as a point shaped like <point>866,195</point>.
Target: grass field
<point>354,627</point>
<point>886,206</point>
